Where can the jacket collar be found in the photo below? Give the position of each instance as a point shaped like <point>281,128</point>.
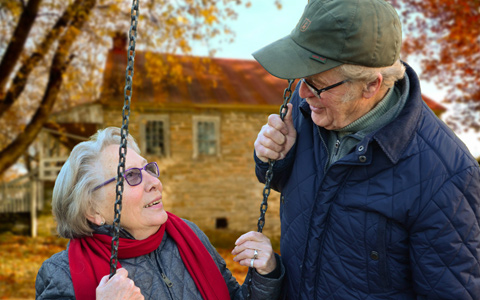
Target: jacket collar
<point>109,230</point>
<point>395,137</point>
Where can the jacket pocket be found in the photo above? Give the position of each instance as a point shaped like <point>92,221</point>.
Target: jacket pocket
<point>379,278</point>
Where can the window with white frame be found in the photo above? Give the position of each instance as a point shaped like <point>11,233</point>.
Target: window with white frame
<point>154,130</point>
<point>206,136</point>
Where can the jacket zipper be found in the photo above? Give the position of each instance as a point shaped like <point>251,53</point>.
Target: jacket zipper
<point>165,279</point>
<point>327,225</point>
<point>337,147</point>
<point>326,148</point>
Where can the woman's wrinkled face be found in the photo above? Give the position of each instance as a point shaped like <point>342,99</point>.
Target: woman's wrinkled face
<point>337,107</point>
<point>142,206</point>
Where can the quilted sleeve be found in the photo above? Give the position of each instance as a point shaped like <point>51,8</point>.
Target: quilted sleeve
<point>53,279</point>
<point>445,240</point>
<point>281,170</point>
<point>263,288</point>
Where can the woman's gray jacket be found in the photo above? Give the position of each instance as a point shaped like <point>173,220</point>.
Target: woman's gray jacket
<point>160,274</point>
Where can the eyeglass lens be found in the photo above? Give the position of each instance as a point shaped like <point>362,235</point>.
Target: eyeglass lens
<point>133,176</point>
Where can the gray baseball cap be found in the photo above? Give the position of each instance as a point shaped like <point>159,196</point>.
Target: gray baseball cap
<point>335,32</point>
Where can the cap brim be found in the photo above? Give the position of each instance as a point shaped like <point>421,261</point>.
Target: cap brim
<point>287,60</point>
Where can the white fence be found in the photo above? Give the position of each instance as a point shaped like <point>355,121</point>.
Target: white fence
<point>22,195</point>
<point>50,167</point>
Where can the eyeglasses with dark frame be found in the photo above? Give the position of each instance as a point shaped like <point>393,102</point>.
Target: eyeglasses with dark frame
<point>133,176</point>
<point>319,91</point>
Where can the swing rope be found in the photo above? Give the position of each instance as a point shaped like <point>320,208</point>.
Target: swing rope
<point>287,94</point>
<point>127,92</point>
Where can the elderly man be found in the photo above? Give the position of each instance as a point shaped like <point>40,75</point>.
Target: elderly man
<point>379,198</point>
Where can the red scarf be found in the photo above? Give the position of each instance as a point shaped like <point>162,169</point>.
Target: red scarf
<point>89,259</point>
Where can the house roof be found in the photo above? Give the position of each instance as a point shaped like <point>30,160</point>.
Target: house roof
<point>216,81</point>
<point>221,82</point>
<point>70,134</point>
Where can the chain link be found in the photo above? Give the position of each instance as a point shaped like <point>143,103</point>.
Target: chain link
<point>127,92</point>
<point>287,94</point>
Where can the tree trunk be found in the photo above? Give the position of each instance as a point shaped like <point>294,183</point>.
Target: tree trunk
<point>17,42</point>
<point>20,80</point>
<point>14,150</point>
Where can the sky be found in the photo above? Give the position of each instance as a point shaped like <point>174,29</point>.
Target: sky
<point>262,23</point>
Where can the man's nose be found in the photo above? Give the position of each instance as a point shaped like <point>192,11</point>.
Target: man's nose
<point>305,91</point>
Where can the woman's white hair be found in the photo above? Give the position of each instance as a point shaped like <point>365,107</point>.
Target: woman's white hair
<point>366,75</point>
<point>72,194</point>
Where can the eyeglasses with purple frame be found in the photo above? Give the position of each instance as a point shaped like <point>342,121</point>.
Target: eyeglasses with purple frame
<point>133,176</point>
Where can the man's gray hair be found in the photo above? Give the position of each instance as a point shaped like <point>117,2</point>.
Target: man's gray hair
<point>366,75</point>
<point>72,195</point>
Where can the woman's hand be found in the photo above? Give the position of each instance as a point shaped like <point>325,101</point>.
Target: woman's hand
<point>118,287</point>
<point>265,261</point>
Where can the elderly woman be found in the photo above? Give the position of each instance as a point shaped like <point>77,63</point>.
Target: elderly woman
<point>160,255</point>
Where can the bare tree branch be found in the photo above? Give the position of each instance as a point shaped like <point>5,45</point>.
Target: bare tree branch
<point>61,59</point>
<point>20,80</point>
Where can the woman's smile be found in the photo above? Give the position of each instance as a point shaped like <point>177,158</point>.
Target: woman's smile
<point>156,203</point>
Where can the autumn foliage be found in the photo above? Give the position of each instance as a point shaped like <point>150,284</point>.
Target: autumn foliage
<point>20,260</point>
<point>445,35</point>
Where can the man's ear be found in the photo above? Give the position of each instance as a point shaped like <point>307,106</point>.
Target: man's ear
<point>373,87</point>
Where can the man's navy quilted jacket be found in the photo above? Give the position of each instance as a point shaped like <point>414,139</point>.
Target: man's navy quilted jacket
<point>397,218</point>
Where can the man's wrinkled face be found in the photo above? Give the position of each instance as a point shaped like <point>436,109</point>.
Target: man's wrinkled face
<point>336,107</point>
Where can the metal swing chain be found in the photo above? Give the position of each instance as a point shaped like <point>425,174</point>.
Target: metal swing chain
<point>287,94</point>
<point>127,92</point>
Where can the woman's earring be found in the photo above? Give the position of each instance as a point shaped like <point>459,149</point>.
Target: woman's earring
<point>102,223</point>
